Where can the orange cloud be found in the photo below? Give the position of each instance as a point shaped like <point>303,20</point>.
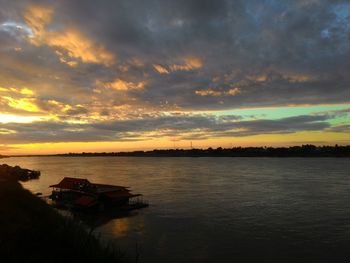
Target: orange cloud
<point>122,85</point>
<point>215,93</point>
<point>76,45</point>
<point>261,78</point>
<point>233,91</point>
<point>37,17</point>
<point>208,92</point>
<point>258,78</point>
<point>69,43</point>
<point>191,63</point>
<point>160,69</point>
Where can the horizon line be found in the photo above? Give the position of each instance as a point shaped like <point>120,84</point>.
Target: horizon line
<point>174,149</point>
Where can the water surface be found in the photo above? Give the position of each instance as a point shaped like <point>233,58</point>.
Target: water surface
<point>219,209</point>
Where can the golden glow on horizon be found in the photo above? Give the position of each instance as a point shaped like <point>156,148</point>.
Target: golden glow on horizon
<point>317,138</point>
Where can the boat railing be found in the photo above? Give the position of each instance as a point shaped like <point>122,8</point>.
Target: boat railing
<point>138,200</point>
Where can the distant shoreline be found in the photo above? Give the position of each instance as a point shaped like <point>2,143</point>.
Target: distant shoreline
<point>293,151</point>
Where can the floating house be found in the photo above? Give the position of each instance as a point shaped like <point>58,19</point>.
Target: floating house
<point>80,193</point>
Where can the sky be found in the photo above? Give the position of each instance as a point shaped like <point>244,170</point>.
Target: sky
<point>122,75</point>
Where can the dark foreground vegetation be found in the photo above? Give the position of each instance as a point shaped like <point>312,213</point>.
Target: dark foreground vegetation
<point>19,173</point>
<point>294,151</point>
<point>31,231</point>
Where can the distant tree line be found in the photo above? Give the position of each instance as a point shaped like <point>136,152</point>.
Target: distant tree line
<point>307,150</point>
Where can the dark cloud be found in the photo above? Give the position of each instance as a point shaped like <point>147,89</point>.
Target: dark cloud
<point>234,39</point>
<point>340,128</point>
<point>183,127</point>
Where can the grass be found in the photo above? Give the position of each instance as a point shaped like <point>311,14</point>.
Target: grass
<point>31,231</point>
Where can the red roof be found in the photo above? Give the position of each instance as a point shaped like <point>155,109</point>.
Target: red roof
<point>86,201</point>
<point>71,183</point>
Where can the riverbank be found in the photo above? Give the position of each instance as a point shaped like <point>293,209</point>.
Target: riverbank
<point>31,231</point>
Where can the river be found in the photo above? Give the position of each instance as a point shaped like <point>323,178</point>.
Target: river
<point>218,209</point>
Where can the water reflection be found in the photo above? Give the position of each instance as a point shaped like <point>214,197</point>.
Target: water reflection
<point>95,220</point>
<point>120,227</point>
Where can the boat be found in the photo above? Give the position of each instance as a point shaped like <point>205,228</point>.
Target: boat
<point>81,194</point>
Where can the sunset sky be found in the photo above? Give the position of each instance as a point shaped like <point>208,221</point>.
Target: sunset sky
<point>123,75</point>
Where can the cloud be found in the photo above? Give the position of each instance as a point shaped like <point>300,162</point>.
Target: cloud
<point>208,92</point>
<point>160,69</point>
<point>190,63</point>
<point>77,46</point>
<point>25,104</point>
<point>122,85</point>
<point>37,18</point>
<point>87,63</point>
<point>340,128</point>
<point>184,127</point>
<point>270,55</point>
<point>216,93</point>
<point>233,91</point>
<point>70,42</point>
<point>12,90</point>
